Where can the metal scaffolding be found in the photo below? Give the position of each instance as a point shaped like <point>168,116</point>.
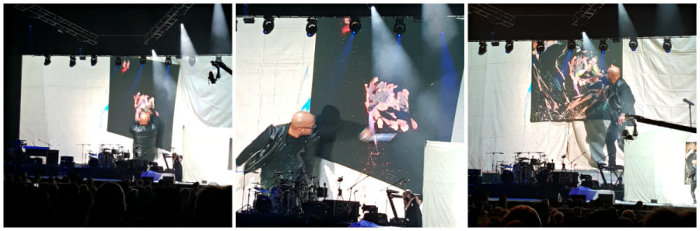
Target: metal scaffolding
<point>167,21</point>
<point>494,15</point>
<point>585,13</point>
<point>61,24</point>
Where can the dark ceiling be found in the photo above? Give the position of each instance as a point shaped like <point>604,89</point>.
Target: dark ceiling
<point>120,27</point>
<point>554,21</point>
<point>336,10</point>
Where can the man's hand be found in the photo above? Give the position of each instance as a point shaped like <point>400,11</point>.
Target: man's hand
<point>621,119</point>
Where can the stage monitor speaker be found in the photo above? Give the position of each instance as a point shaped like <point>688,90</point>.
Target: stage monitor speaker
<point>474,176</point>
<point>491,178</point>
<point>579,197</point>
<point>52,158</point>
<point>66,159</point>
<point>167,180</point>
<point>343,210</point>
<point>565,178</point>
<point>606,198</point>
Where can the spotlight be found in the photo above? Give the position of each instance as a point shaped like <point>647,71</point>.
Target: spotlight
<point>355,24</point>
<point>399,26</point>
<point>93,60</point>
<point>633,44</point>
<point>482,47</point>
<point>168,60</point>
<point>72,61</point>
<point>118,61</point>
<point>268,24</point>
<point>603,46</point>
<point>142,60</point>
<point>311,26</point>
<point>47,60</point>
<point>509,46</point>
<point>667,45</point>
<point>540,47</point>
<point>192,60</point>
<point>571,45</point>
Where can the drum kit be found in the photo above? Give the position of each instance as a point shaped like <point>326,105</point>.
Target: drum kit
<point>288,193</point>
<point>526,168</point>
<point>108,155</point>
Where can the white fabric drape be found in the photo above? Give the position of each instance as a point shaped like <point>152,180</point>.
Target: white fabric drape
<point>444,199</point>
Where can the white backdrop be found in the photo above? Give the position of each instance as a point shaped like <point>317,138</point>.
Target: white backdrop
<point>65,106</point>
<point>499,110</point>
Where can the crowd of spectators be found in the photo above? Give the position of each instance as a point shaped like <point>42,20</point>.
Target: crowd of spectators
<point>573,213</point>
<point>75,202</point>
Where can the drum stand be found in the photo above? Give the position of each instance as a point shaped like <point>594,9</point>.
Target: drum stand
<point>247,206</point>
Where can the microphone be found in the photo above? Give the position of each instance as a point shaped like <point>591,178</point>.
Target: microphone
<point>688,102</point>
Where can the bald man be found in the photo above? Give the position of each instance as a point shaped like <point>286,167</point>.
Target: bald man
<point>620,105</point>
<point>280,148</point>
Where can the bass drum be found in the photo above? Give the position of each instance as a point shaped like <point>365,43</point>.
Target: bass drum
<point>507,177</point>
<point>262,204</point>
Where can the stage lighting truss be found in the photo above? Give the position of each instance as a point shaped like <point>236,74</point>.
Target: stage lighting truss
<point>571,45</point>
<point>509,46</point>
<point>61,24</point>
<point>482,47</point>
<point>355,24</point>
<point>540,47</point>
<point>633,44</point>
<point>268,24</point>
<point>311,26</point>
<point>167,21</point>
<point>603,46</point>
<point>399,26</point>
<point>494,15</point>
<point>585,13</point>
<point>667,45</point>
<point>72,61</point>
<point>47,60</point>
<point>93,60</point>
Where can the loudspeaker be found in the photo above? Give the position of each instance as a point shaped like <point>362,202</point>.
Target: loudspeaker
<point>343,210</point>
<point>66,159</point>
<point>52,158</point>
<point>490,178</point>
<point>474,176</point>
<point>606,198</point>
<point>167,180</point>
<point>565,178</point>
<point>577,197</point>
